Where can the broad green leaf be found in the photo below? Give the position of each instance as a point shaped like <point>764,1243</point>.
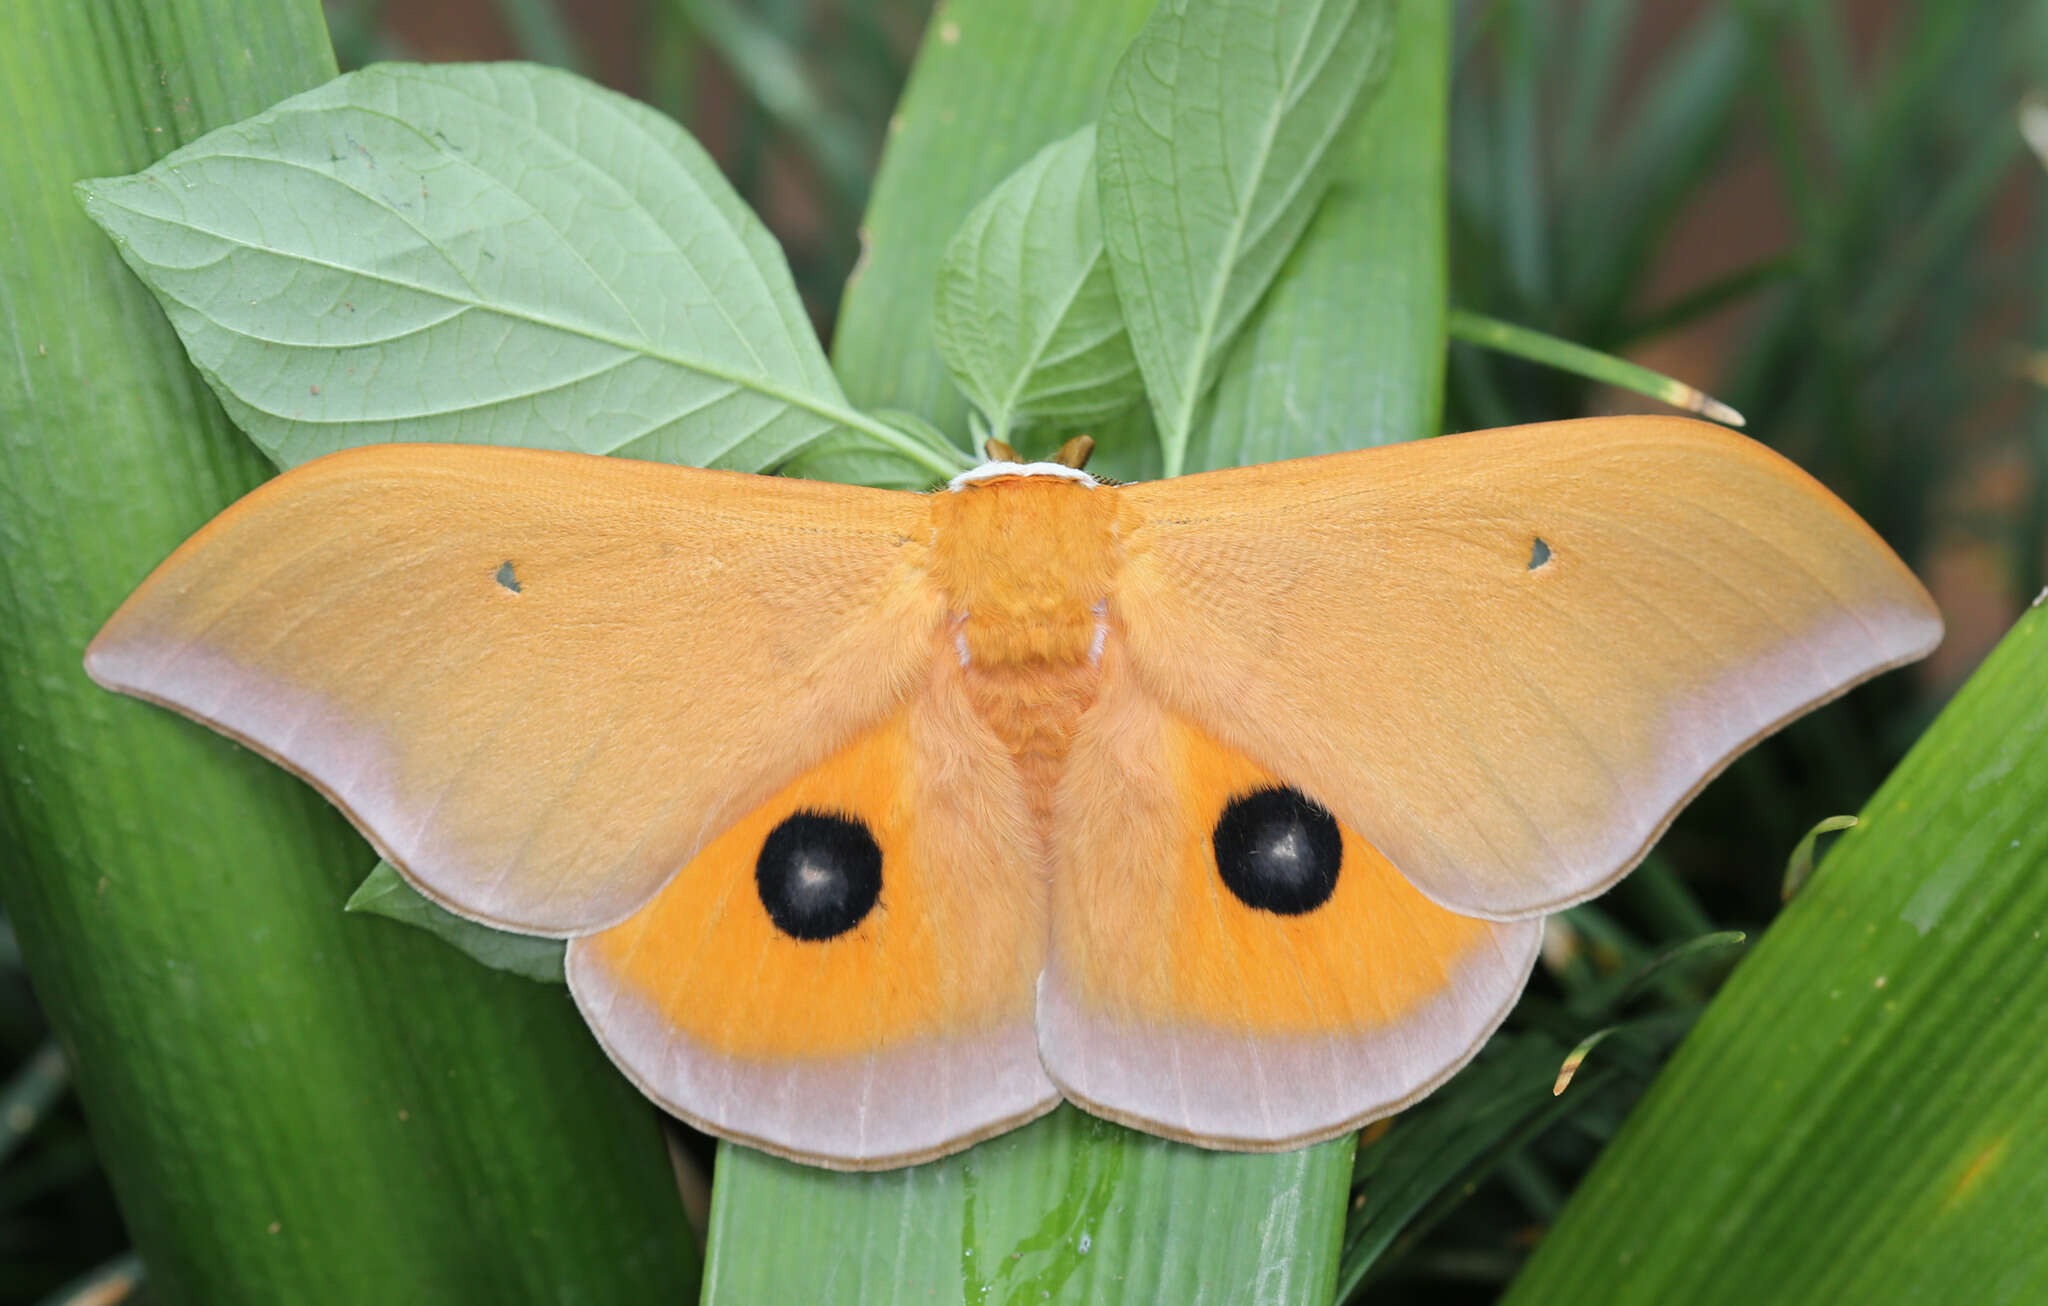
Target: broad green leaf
<point>997,82</point>
<point>1027,315</point>
<point>1071,1209</point>
<point>1214,150</point>
<point>292,1105</point>
<point>385,893</point>
<point>1347,349</point>
<point>493,253</point>
<point>1862,1113</point>
<point>853,458</point>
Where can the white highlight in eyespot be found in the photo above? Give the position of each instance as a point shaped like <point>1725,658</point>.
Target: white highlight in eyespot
<point>989,471</point>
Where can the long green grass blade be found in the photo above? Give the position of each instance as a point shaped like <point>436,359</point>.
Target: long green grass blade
<point>1478,329</point>
<point>294,1105</point>
<point>1862,1114</point>
<point>773,74</point>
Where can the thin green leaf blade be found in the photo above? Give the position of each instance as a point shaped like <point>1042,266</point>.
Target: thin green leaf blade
<point>1540,347</point>
<point>384,892</point>
<point>481,252</point>
<point>1862,1113</point>
<point>1347,349</point>
<point>1027,316</point>
<point>1213,153</point>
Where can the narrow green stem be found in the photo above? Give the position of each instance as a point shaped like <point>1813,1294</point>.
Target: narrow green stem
<point>1523,342</point>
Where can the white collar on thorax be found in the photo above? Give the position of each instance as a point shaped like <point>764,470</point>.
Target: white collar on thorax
<point>989,471</point>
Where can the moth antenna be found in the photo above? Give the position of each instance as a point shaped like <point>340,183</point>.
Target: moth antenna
<point>1074,453</point>
<point>998,451</point>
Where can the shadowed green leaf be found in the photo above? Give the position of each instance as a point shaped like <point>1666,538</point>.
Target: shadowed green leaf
<point>1428,1151</point>
<point>1214,149</point>
<point>498,253</point>
<point>1027,315</point>
<point>1862,1113</point>
<point>385,893</point>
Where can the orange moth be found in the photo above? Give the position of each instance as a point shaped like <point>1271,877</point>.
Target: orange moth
<point>1227,806</point>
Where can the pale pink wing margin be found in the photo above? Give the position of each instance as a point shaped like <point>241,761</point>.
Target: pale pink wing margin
<point>538,682</point>
<point>1508,658</point>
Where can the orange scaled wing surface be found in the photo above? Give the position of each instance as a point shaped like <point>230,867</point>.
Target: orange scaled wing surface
<point>539,682</point>
<point>1253,1013</point>
<point>846,976</point>
<point>1507,658</point>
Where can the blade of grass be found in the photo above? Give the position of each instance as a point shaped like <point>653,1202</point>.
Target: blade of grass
<point>1519,125</point>
<point>771,72</point>
<point>1478,329</point>
<point>29,1094</point>
<point>1674,131</point>
<point>1600,40</point>
<point>293,1105</point>
<point>117,1281</point>
<point>1862,1114</point>
<point>542,34</point>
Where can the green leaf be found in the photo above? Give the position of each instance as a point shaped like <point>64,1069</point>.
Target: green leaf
<point>1347,349</point>
<point>499,253</point>
<point>292,1105</point>
<point>1862,1113</point>
<point>1027,315</point>
<point>1070,1209</point>
<point>993,84</point>
<point>853,458</point>
<point>1214,151</point>
<point>1445,1142</point>
<point>384,892</point>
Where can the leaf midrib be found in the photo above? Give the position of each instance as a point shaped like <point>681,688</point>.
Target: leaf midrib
<point>1184,415</point>
<point>830,412</point>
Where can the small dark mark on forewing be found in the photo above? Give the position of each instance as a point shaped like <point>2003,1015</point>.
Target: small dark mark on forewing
<point>507,579</point>
<point>1539,554</point>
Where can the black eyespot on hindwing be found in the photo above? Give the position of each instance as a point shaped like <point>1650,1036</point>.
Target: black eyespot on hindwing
<point>1279,851</point>
<point>818,875</point>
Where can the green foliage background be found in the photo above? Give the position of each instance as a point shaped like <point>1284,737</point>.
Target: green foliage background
<point>1856,1115</point>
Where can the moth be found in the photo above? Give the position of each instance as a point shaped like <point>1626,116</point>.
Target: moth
<point>1226,806</point>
